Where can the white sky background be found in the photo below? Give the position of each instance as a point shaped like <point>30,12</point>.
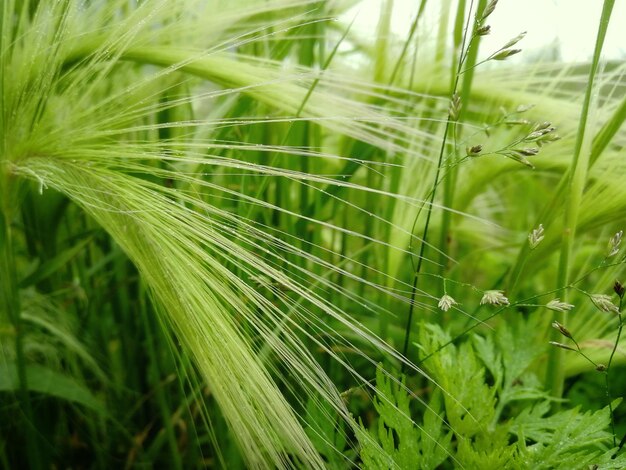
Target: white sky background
<point>573,23</point>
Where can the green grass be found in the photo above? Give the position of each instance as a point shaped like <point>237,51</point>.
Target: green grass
<point>227,226</point>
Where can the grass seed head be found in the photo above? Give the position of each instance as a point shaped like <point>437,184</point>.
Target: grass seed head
<point>564,331</point>
<point>542,125</point>
<point>446,302</point>
<point>483,30</point>
<point>505,54</point>
<point>535,237</point>
<point>515,40</point>
<point>619,289</point>
<point>494,297</point>
<point>522,108</point>
<point>603,303</point>
<point>529,151</point>
<point>562,346</point>
<point>474,150</point>
<point>517,122</point>
<point>614,243</point>
<point>541,134</point>
<point>518,156</point>
<point>559,306</point>
<point>455,107</point>
<point>491,6</point>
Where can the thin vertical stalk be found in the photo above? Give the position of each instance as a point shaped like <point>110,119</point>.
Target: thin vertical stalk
<point>154,375</point>
<point>441,46</point>
<point>382,41</point>
<point>619,289</point>
<point>380,70</point>
<point>395,174</point>
<point>608,366</point>
<point>449,183</point>
<point>11,308</point>
<point>575,186</point>
<point>405,47</point>
<point>429,204</point>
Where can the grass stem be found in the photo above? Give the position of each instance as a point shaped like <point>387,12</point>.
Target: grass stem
<point>11,309</point>
<point>429,204</point>
<point>576,185</point>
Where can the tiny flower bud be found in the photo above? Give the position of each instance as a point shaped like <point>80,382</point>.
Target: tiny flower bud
<point>455,107</point>
<point>559,306</point>
<point>522,108</point>
<point>535,237</point>
<point>529,152</point>
<point>619,289</point>
<point>518,156</point>
<point>600,367</point>
<point>483,30</point>
<point>562,346</point>
<point>474,150</point>
<point>515,40</point>
<point>542,126</point>
<point>489,9</point>
<point>564,331</point>
<point>542,134</point>
<point>525,161</point>
<point>494,297</point>
<point>446,302</point>
<point>603,303</point>
<point>614,243</point>
<point>505,54</point>
<point>547,138</point>
<point>517,122</point>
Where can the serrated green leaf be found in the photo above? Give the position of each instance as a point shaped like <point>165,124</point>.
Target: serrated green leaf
<point>568,439</point>
<point>398,441</point>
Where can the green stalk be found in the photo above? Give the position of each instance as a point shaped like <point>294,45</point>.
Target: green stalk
<point>370,206</point>
<point>457,37</point>
<point>575,186</point>
<point>442,36</point>
<point>382,41</point>
<point>608,366</point>
<point>429,204</point>
<point>297,114</point>
<point>11,309</point>
<point>154,376</point>
<point>449,183</point>
<point>396,173</point>
<point>405,47</point>
<point>409,320</point>
<point>380,70</point>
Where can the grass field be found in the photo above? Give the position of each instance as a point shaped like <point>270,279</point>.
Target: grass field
<point>240,234</point>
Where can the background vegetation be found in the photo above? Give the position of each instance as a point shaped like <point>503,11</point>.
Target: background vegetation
<point>240,235</point>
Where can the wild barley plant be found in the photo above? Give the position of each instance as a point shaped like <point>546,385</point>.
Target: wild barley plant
<point>86,116</point>
<point>222,190</point>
